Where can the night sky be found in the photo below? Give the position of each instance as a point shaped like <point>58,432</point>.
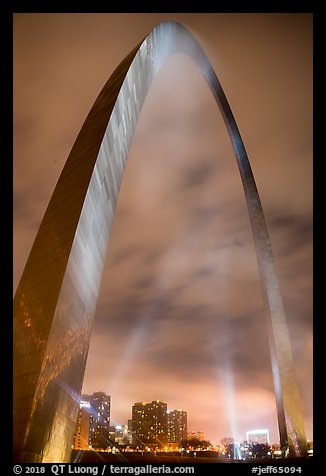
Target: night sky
<point>180,316</point>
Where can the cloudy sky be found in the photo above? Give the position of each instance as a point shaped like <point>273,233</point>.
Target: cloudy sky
<point>180,316</point>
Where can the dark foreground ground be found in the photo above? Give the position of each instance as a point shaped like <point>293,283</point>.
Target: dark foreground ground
<point>174,458</point>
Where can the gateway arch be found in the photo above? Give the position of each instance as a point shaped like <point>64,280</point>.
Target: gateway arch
<point>55,301</point>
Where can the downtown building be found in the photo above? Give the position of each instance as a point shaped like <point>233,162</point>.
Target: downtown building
<point>122,435</point>
<point>177,426</point>
<point>258,436</point>
<point>81,437</point>
<point>99,407</point>
<point>150,424</point>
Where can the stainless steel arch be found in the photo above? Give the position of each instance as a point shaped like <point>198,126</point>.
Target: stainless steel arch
<point>56,298</point>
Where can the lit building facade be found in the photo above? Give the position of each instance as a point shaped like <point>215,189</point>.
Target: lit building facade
<point>177,426</point>
<point>150,424</point>
<point>100,411</point>
<point>81,439</point>
<point>258,436</point>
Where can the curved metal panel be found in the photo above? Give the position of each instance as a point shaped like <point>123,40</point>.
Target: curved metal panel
<point>55,302</point>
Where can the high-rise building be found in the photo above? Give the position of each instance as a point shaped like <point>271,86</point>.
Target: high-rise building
<point>81,438</point>
<point>177,426</point>
<point>150,424</point>
<point>100,408</point>
<point>258,436</point>
<point>112,434</point>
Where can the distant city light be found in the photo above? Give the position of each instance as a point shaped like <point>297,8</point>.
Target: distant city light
<point>260,436</point>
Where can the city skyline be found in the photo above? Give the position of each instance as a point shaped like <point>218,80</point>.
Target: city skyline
<point>251,435</point>
<point>167,319</point>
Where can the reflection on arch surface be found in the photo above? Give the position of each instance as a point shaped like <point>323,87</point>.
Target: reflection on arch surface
<point>55,301</point>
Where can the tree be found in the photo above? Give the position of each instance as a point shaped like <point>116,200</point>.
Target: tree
<point>195,443</point>
<point>228,443</point>
<point>260,450</point>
